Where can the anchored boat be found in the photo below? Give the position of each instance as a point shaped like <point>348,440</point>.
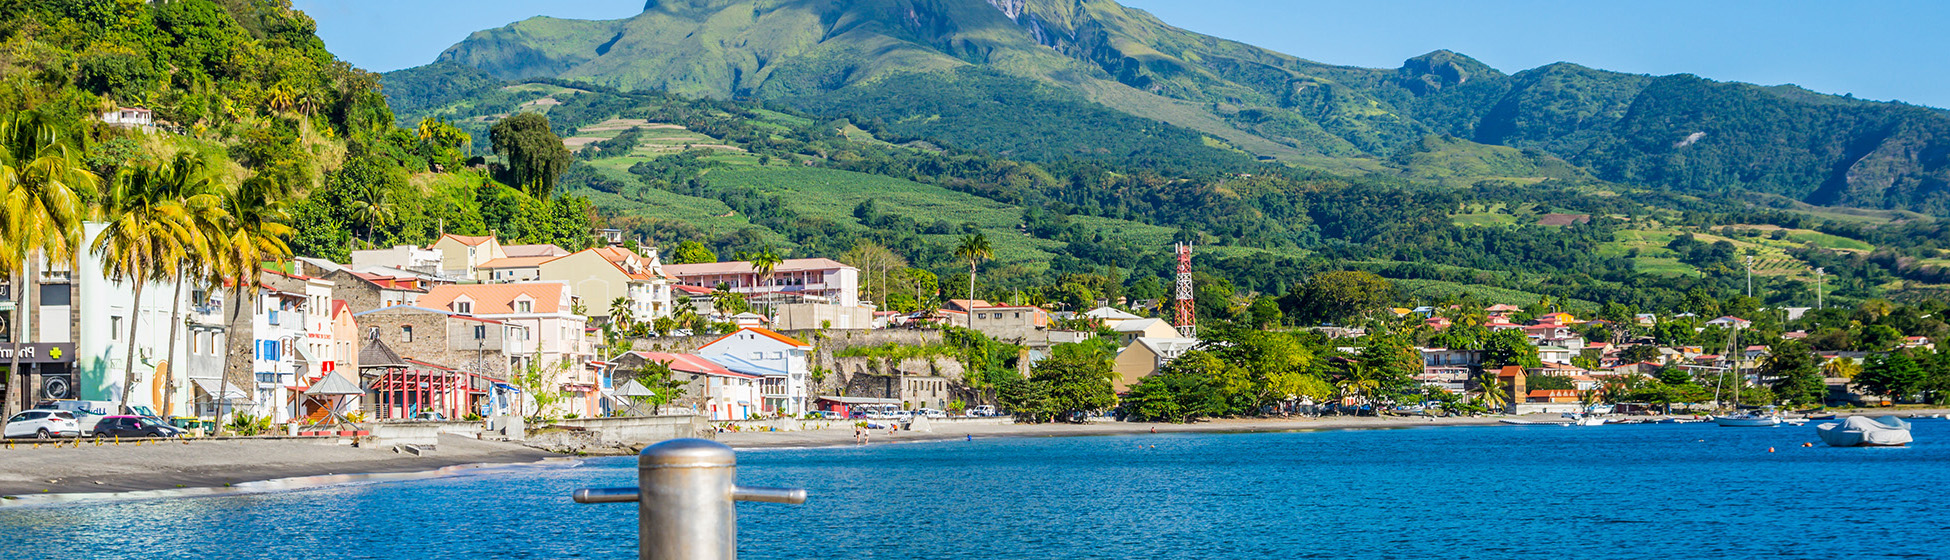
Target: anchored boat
<point>1861,431</point>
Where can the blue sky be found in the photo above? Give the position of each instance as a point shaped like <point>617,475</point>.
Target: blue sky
<point>1887,49</point>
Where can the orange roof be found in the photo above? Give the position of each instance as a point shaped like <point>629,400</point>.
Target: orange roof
<point>768,333</point>
<point>497,299</point>
<point>469,240</point>
<point>339,307</point>
<point>515,262</point>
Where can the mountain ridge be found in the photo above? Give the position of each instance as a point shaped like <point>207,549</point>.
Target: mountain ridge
<point>1678,131</point>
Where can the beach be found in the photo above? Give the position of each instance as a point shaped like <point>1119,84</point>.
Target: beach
<point>162,465</point>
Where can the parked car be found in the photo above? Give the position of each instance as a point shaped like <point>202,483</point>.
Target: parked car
<point>135,426</point>
<point>42,424</point>
<point>932,413</point>
<point>983,410</point>
<point>86,413</point>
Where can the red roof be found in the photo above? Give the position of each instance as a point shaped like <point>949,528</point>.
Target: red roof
<point>692,364</point>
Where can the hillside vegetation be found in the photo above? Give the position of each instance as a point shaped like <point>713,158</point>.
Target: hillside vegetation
<point>1053,79</point>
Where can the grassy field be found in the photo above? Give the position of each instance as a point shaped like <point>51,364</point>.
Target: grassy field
<point>833,195</point>
<point>1433,290</point>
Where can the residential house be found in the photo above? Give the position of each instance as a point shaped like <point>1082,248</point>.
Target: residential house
<point>911,390</point>
<point>1731,322</point>
<point>710,389</point>
<point>1110,317</point>
<point>791,280</point>
<point>1129,331</point>
<point>598,276</point>
<point>288,333</point>
<point>1449,369</point>
<point>1552,396</point>
<point>130,117</point>
<point>461,254</point>
<point>559,343</point>
<point>780,359</point>
<point>1645,319</point>
<point>1556,369</point>
<point>1020,324</point>
<point>365,291</point>
<point>1144,356</point>
<point>404,257</point>
<point>511,269</point>
<point>101,309</point>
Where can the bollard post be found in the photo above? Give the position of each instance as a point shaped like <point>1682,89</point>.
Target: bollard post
<point>684,494</point>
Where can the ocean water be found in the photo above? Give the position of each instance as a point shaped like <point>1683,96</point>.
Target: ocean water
<point>1646,491</point>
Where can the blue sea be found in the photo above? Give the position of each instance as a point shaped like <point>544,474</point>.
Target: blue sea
<point>1641,491</point>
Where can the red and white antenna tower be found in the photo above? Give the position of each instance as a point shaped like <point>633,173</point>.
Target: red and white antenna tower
<point>1187,318</point>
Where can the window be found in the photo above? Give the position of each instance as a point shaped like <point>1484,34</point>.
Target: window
<point>758,355</point>
<point>115,327</point>
<point>524,307</point>
<point>464,307</point>
<point>406,333</point>
<point>480,332</point>
<point>778,355</point>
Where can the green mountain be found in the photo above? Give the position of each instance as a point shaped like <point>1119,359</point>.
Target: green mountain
<point>1053,79</point>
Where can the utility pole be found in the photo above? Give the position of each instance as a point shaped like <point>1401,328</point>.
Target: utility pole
<point>1750,276</point>
<point>1818,273</point>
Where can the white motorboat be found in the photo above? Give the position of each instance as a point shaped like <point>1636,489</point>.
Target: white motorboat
<point>1861,431</point>
<point>1749,420</point>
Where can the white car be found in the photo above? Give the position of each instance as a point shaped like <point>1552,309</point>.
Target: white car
<point>42,424</point>
<point>983,410</point>
<point>932,413</point>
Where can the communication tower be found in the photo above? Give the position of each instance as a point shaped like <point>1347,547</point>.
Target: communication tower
<point>1187,318</point>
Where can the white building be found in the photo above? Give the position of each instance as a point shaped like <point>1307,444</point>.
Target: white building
<point>404,257</point>
<point>781,360</point>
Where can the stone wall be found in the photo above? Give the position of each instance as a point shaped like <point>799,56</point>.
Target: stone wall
<point>627,430</point>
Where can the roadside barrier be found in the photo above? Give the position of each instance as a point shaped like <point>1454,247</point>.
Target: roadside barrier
<point>685,494</point>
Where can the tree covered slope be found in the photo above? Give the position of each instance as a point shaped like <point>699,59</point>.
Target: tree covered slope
<point>1047,79</point>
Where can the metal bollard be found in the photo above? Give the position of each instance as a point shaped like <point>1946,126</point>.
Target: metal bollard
<point>684,500</point>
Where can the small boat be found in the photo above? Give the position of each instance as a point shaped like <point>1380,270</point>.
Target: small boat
<point>1822,417</point>
<point>1861,431</point>
<point>1795,421</point>
<point>1517,422</point>
<point>1748,420</point>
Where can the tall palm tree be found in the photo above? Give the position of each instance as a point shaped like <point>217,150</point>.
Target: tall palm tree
<point>44,194</point>
<point>764,262</point>
<point>189,183</point>
<point>974,248</point>
<point>254,219</point>
<point>147,238</point>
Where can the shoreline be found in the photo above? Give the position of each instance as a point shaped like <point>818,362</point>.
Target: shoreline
<point>843,436</point>
<point>53,475</point>
<point>220,464</point>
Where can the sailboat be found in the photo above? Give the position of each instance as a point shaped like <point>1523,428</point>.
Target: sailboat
<point>1758,418</point>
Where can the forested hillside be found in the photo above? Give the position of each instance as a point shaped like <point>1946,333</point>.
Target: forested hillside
<point>1053,79</point>
<point>731,177</point>
<point>245,88</point>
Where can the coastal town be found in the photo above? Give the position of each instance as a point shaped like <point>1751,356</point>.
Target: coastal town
<point>470,329</point>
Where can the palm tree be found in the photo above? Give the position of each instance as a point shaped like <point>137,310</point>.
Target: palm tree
<point>974,248</point>
<point>763,263</point>
<point>44,193</point>
<point>373,208</point>
<point>1491,391</point>
<point>187,181</point>
<point>147,238</point>
<point>254,230</point>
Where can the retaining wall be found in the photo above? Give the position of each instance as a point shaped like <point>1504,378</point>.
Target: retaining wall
<point>624,430</point>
